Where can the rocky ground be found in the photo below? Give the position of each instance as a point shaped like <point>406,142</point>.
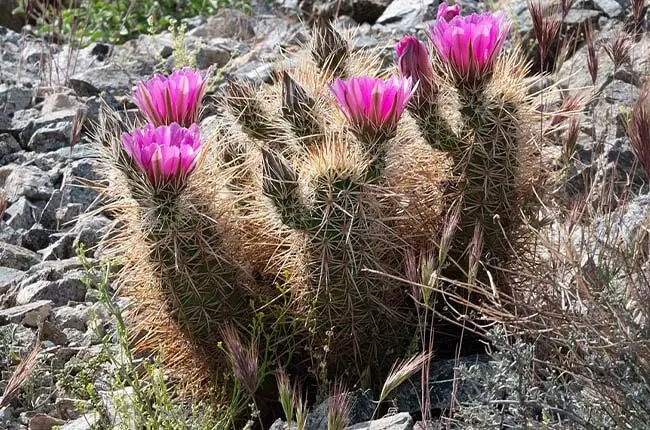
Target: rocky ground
<point>47,165</point>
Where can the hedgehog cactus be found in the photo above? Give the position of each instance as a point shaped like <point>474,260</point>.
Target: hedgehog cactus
<point>490,140</point>
<point>336,210</point>
<point>324,182</point>
<point>186,288</point>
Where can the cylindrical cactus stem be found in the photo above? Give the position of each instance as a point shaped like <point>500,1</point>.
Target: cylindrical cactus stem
<point>200,283</point>
<point>488,165</point>
<point>433,124</point>
<point>347,237</point>
<point>425,105</point>
<point>330,50</point>
<point>280,184</point>
<point>298,108</point>
<point>247,109</point>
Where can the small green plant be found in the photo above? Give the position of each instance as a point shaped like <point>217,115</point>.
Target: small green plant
<point>120,20</point>
<point>139,394</point>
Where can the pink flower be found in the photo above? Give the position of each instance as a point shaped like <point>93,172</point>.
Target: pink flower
<point>373,105</point>
<point>176,98</point>
<point>446,13</point>
<point>470,44</point>
<point>165,154</point>
<point>414,63</point>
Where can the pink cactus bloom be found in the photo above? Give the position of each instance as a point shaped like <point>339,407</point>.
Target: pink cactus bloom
<point>166,154</point>
<point>414,63</point>
<point>175,98</point>
<point>446,13</point>
<point>373,106</point>
<point>470,44</point>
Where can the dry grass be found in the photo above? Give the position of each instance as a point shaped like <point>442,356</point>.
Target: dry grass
<point>21,375</point>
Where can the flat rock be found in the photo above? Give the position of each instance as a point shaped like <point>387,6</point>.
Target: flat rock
<point>111,78</point>
<point>85,422</point>
<point>28,181</point>
<point>21,214</point>
<point>29,314</point>
<point>408,13</point>
<point>16,257</point>
<point>611,7</point>
<point>13,98</point>
<point>59,292</point>
<point>8,275</point>
<point>227,23</point>
<point>401,421</point>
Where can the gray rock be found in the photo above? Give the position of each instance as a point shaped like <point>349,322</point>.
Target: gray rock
<point>28,181</point>
<point>72,317</point>
<point>620,228</point>
<point>441,385</point>
<point>13,98</point>
<point>216,55</point>
<point>56,270</point>
<point>48,217</point>
<point>401,421</point>
<point>50,138</point>
<point>89,233</point>
<point>86,422</point>
<point>8,276</point>
<point>9,235</point>
<point>29,314</point>
<point>61,249</point>
<point>77,338</point>
<point>408,13</point>
<point>281,425</point>
<point>611,7</point>
<point>8,145</point>
<point>429,425</point>
<point>36,238</point>
<point>111,78</point>
<point>21,214</point>
<point>16,257</point>
<point>227,23</point>
<point>59,292</point>
<point>68,214</point>
<point>74,60</point>
<point>78,180</point>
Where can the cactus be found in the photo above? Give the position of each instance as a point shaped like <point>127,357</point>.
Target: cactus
<point>314,190</point>
<point>488,137</point>
<point>335,190</point>
<point>175,228</point>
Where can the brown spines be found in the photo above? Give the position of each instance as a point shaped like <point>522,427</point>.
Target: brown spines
<point>496,163</point>
<point>330,50</point>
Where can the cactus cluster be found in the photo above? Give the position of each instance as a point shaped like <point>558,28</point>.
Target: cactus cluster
<point>311,194</point>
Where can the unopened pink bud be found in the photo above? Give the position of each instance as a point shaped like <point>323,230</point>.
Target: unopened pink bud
<point>414,63</point>
<point>447,13</point>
